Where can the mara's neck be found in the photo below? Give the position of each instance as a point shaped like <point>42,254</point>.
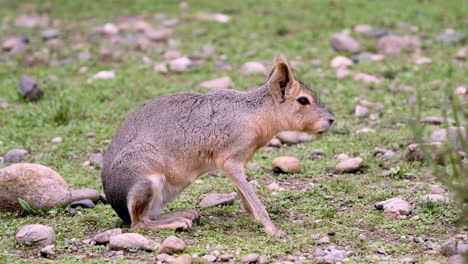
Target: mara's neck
<point>266,118</point>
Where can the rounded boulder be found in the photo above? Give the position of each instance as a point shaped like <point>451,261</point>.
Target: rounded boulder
<point>39,186</point>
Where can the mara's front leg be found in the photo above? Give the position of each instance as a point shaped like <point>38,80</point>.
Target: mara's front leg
<point>235,171</point>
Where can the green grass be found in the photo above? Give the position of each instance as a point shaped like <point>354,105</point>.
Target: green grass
<point>71,107</point>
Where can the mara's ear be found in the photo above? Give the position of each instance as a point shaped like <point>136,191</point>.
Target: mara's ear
<point>280,78</point>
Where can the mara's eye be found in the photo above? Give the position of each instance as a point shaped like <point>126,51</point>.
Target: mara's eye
<point>303,100</point>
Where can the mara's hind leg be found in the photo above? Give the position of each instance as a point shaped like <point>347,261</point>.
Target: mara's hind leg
<point>146,202</point>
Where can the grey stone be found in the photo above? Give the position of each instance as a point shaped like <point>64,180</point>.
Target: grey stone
<point>435,198</point>
<point>104,237</point>
<point>335,256</point>
<point>456,259</point>
<point>293,137</point>
<point>218,83</point>
<point>392,45</point>
<point>97,159</point>
<point>349,165</point>
<point>378,32</point>
<point>451,134</point>
<point>394,206</point>
<point>182,259</point>
<point>361,111</point>
<point>15,155</point>
<point>450,37</point>
<point>180,64</point>
<point>172,245</point>
<point>344,42</point>
<point>36,234</point>
<point>214,199</point>
<point>250,258</point>
<point>29,89</point>
<point>319,252</point>
<point>449,247</point>
<point>47,251</point>
<point>15,44</point>
<point>286,164</point>
<point>82,194</point>
<point>86,203</point>
<point>253,67</point>
<point>226,257</point>
<point>84,56</point>
<point>39,186</point>
<point>131,240</point>
<point>324,240</point>
<point>49,34</point>
<point>210,258</point>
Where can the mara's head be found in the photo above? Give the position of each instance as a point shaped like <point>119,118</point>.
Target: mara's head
<point>298,107</point>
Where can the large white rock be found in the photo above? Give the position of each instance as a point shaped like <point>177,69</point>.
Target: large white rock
<point>38,185</point>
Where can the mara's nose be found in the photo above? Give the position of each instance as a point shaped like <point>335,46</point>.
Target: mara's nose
<point>331,120</point>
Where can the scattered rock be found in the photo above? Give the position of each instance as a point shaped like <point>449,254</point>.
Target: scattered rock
<point>286,164</point>
<point>208,50</point>
<point>293,137</point>
<point>450,134</point>
<point>422,60</point>
<point>344,42</point>
<point>86,203</point>
<point>131,241</point>
<point>172,245</point>
<point>210,258</point>
<point>342,73</point>
<point>37,185</point>
<point>450,37</point>
<point>253,67</point>
<point>47,251</point>
<point>250,258</point>
<point>394,207</point>
<point>449,247</point>
<point>219,83</point>
<point>319,252</point>
<point>435,198</point>
<point>436,189</point>
<point>461,91</point>
<point>363,28</point>
<point>171,22</point>
<point>158,35</point>
<point>274,142</point>
<point>180,64</point>
<point>82,194</point>
<point>361,111</point>
<point>172,55</point>
<point>392,44</point>
<point>349,165</point>
<point>97,160</point>
<point>110,29</point>
<point>183,259</point>
<point>461,53</point>
<point>414,153</point>
<point>334,256</point>
<point>161,68</point>
<point>367,78</point>
<point>102,75</point>
<point>216,17</point>
<point>36,234</point>
<point>341,62</point>
<point>28,88</point>
<point>324,240</point>
<point>436,120</point>
<point>383,153</point>
<point>342,156</point>
<point>103,238</point>
<point>15,155</point>
<point>57,140</point>
<point>49,34</point>
<point>15,44</point>
<point>362,237</point>
<point>365,130</point>
<point>31,21</point>
<point>217,199</point>
<point>456,259</point>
